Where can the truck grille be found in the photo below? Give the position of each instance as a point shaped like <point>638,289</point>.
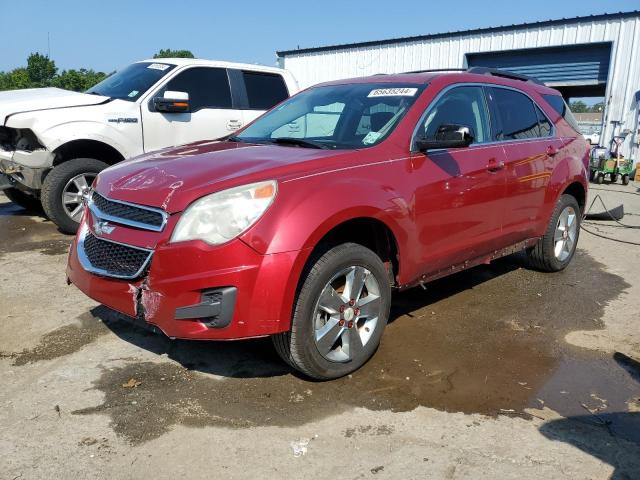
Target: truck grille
<point>125,213</point>
<point>111,259</point>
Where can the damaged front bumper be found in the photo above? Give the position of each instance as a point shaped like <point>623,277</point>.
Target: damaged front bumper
<point>27,168</point>
<point>192,290</point>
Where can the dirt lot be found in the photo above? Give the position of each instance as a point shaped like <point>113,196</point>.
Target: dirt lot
<point>499,372</point>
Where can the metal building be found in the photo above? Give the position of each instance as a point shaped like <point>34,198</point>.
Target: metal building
<point>591,56</point>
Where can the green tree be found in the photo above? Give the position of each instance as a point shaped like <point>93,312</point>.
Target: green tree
<point>579,107</point>
<point>15,79</point>
<point>41,70</point>
<point>168,53</point>
<point>78,80</point>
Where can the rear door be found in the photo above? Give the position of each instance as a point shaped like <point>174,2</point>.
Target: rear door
<point>257,92</point>
<point>459,192</point>
<point>530,145</point>
<point>212,113</point>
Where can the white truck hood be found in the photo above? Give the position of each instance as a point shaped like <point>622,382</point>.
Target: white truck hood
<point>32,99</point>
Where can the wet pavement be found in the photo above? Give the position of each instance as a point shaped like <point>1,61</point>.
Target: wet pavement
<point>487,341</point>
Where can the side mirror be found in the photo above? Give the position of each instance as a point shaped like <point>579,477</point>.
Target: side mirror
<point>172,102</point>
<point>448,136</point>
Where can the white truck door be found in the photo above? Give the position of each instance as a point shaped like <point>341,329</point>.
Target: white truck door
<point>260,91</point>
<point>211,114</point>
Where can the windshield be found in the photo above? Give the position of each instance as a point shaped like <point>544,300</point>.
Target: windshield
<point>335,116</point>
<point>131,82</point>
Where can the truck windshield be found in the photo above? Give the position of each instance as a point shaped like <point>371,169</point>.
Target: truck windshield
<point>350,116</point>
<point>132,81</point>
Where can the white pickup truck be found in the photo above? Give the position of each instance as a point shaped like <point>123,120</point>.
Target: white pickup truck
<point>54,142</point>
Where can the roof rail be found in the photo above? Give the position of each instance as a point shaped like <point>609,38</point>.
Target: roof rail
<point>504,74</point>
<point>434,70</point>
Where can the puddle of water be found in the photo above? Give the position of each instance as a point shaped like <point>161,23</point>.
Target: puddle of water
<point>486,341</point>
<point>22,232</point>
<point>62,341</point>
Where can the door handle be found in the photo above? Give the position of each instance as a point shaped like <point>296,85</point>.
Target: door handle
<point>552,151</point>
<point>493,165</point>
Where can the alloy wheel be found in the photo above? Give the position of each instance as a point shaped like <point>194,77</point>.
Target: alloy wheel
<point>565,235</point>
<point>73,195</point>
<point>346,314</point>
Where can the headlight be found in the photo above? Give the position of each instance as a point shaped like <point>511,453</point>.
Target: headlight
<point>222,216</point>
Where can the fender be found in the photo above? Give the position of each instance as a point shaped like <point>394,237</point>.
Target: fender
<point>341,201</point>
<point>55,137</point>
<point>566,172</point>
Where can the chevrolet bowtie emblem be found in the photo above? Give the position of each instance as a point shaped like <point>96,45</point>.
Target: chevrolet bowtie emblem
<point>103,228</point>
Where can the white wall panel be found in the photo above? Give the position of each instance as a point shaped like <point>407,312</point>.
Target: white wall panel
<point>311,67</point>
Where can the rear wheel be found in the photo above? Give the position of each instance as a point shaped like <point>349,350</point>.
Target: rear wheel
<point>339,314</point>
<point>614,178</point>
<point>64,188</point>
<point>600,178</point>
<point>556,248</point>
<point>26,201</point>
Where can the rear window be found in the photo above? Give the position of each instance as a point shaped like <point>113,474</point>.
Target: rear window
<point>518,117</point>
<point>560,106</point>
<point>264,90</point>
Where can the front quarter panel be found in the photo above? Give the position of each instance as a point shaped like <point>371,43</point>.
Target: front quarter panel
<point>307,208</point>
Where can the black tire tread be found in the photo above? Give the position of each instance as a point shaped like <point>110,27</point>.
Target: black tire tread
<point>286,343</point>
<point>56,179</point>
<point>22,199</point>
<point>541,255</point>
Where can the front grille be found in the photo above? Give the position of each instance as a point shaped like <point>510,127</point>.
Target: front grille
<point>127,214</point>
<point>114,259</point>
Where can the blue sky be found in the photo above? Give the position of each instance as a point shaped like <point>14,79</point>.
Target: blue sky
<point>106,35</point>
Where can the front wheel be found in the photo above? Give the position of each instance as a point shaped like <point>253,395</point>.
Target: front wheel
<point>556,248</point>
<point>64,188</point>
<point>625,179</point>
<point>339,313</point>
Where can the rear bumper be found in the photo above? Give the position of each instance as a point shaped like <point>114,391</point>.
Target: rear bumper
<point>241,292</point>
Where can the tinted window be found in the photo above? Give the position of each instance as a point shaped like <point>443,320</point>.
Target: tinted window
<point>517,114</point>
<point>131,82</point>
<point>461,106</point>
<point>264,89</point>
<point>560,106</point>
<point>207,87</point>
<point>544,123</point>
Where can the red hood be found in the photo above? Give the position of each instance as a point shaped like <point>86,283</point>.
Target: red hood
<point>172,179</point>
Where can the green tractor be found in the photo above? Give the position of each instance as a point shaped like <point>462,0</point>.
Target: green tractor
<point>602,164</point>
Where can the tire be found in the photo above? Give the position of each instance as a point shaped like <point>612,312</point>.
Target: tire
<point>614,178</point>
<point>600,178</point>
<point>592,175</point>
<point>58,181</point>
<point>545,255</point>
<point>625,179</point>
<point>26,201</point>
<point>317,359</point>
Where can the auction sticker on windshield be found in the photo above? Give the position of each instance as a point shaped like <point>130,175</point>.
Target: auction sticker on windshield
<point>392,92</point>
<point>158,66</point>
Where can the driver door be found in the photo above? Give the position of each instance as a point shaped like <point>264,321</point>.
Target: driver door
<point>460,192</point>
<point>211,114</point>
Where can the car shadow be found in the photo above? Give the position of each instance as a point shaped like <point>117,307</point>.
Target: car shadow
<point>255,358</point>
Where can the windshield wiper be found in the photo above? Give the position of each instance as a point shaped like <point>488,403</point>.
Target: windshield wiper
<point>297,141</point>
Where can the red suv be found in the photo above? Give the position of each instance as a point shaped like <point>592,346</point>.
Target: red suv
<point>302,224</point>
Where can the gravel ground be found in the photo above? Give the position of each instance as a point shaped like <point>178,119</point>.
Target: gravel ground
<point>498,372</point>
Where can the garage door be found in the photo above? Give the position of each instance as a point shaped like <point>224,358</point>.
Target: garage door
<point>568,65</point>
